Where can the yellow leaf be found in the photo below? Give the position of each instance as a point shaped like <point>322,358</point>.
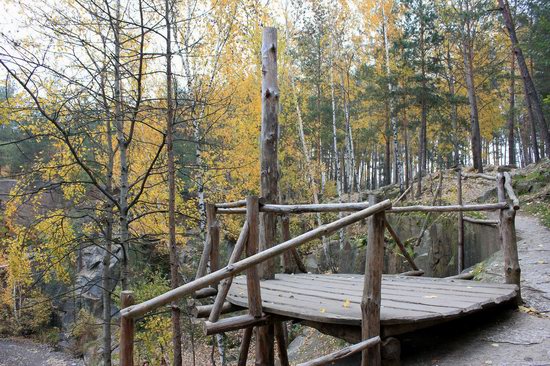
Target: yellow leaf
<point>347,303</point>
<point>322,310</point>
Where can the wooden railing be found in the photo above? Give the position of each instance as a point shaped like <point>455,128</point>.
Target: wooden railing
<point>248,239</point>
<point>248,243</point>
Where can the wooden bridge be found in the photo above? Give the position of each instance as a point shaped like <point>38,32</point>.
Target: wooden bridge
<point>366,310</point>
<point>362,309</point>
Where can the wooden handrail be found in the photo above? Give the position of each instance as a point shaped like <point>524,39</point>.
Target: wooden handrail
<point>510,191</point>
<point>232,270</point>
<point>449,208</point>
<point>240,203</point>
<point>473,220</point>
<point>351,207</point>
<point>343,353</point>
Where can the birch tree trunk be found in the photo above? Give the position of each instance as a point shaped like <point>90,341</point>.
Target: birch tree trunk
<point>393,117</point>
<point>122,150</point>
<point>337,166</point>
<point>512,114</point>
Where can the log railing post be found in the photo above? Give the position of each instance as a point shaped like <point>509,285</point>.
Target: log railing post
<point>126,345</point>
<point>264,334</point>
<point>507,228</point>
<point>370,303</point>
<point>288,266</point>
<point>213,226</point>
<point>460,246</point>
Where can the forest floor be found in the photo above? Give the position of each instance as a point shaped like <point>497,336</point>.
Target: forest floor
<point>24,352</point>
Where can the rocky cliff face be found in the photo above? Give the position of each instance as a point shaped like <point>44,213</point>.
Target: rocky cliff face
<point>436,254</point>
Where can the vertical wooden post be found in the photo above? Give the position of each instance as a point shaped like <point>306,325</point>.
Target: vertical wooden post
<point>252,278</point>
<point>269,174</point>
<point>288,266</point>
<point>264,334</point>
<point>213,226</point>
<point>126,345</point>
<point>460,250</point>
<point>269,177</point>
<point>245,346</point>
<point>281,342</point>
<point>372,287</point>
<point>507,228</point>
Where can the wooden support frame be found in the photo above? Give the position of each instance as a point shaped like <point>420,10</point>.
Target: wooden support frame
<point>344,352</point>
<point>507,228</point>
<point>234,323</point>
<point>213,226</point>
<point>372,299</point>
<point>229,271</point>
<point>226,285</point>
<point>401,246</point>
<point>460,223</point>
<point>126,346</point>
<point>291,258</point>
<point>245,346</point>
<point>204,311</point>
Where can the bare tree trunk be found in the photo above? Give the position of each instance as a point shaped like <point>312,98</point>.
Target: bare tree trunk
<point>475,133</point>
<point>530,90</point>
<point>174,265</point>
<point>393,118</point>
<point>106,272</point>
<point>122,150</point>
<point>349,136</point>
<point>454,109</point>
<point>338,166</point>
<point>512,113</point>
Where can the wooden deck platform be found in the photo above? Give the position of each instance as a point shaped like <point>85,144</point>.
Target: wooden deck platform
<point>327,302</point>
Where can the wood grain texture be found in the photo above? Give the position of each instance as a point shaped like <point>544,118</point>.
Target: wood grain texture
<point>126,331</point>
<point>336,298</point>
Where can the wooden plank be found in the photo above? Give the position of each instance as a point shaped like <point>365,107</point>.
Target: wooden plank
<point>309,307</point>
<point>403,295</point>
<point>297,296</point>
<point>433,306</point>
<point>431,280</point>
<point>466,287</point>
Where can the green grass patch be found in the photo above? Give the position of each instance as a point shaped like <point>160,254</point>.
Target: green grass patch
<point>541,210</point>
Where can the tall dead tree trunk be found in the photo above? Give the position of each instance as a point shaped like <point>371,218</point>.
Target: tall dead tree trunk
<point>174,265</point>
<point>269,176</point>
<point>530,90</point>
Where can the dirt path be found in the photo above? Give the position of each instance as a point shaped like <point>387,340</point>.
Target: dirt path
<point>508,337</point>
<point>23,352</point>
